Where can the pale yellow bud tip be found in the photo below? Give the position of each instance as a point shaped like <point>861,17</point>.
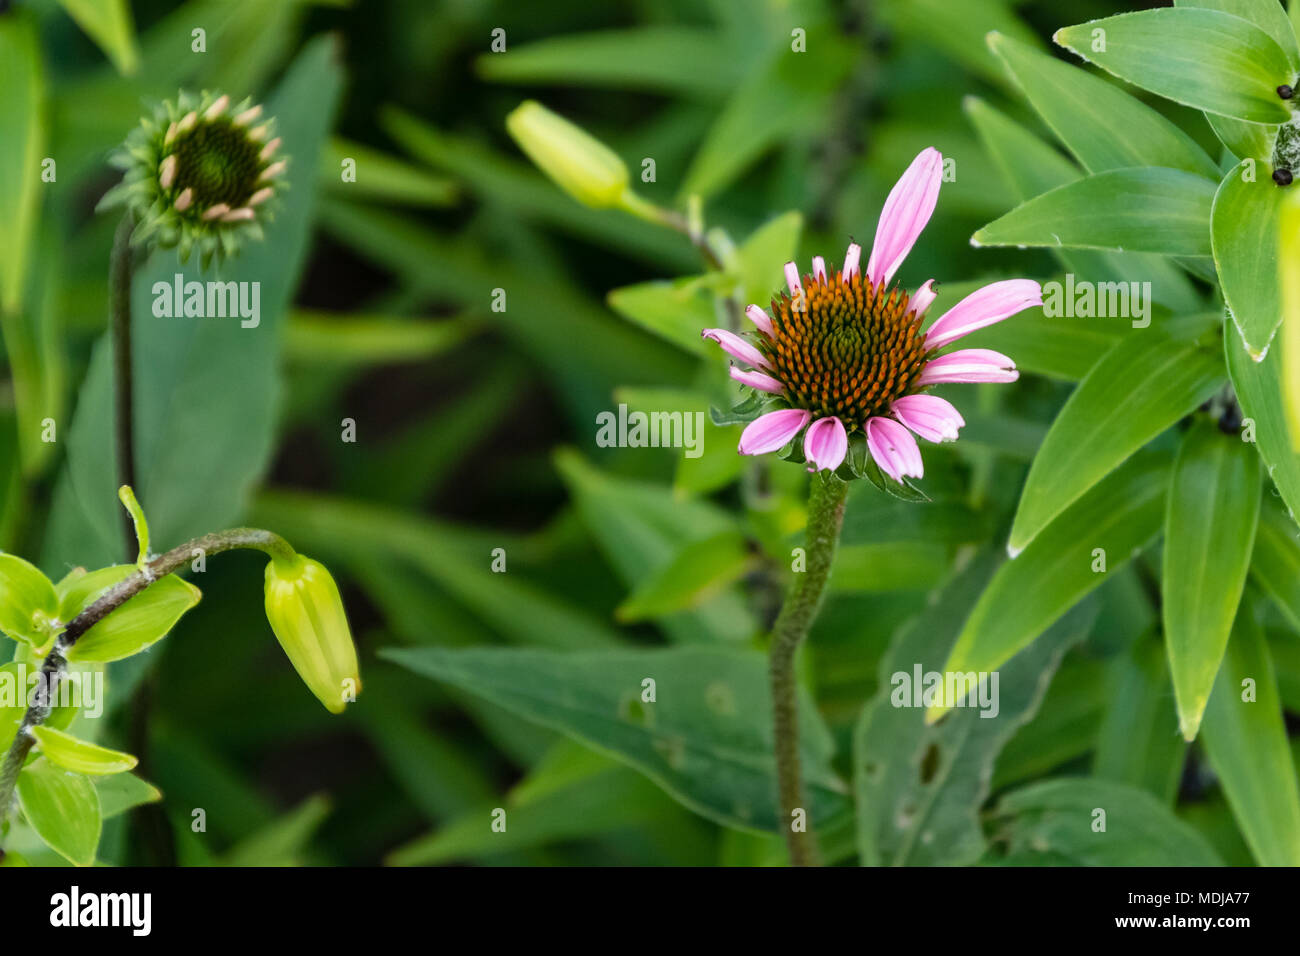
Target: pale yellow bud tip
<point>581,165</point>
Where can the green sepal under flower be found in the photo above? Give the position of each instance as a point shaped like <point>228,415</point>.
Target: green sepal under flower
<point>201,175</point>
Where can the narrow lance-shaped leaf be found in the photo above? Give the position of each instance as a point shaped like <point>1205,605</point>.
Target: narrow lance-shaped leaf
<point>1213,509</point>
<point>1268,15</point>
<point>1141,387</point>
<point>1030,167</point>
<point>1244,224</point>
<point>1078,551</point>
<point>1102,125</point>
<point>1136,210</point>
<point>1246,740</point>
<point>80,756</point>
<point>1205,59</point>
<point>1258,385</point>
<point>1275,565</point>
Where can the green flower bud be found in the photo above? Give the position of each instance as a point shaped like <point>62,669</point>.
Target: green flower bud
<point>581,165</point>
<point>306,614</point>
<point>202,174</point>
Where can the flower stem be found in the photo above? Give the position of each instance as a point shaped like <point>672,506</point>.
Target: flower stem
<point>120,269</point>
<point>54,667</point>
<point>825,517</point>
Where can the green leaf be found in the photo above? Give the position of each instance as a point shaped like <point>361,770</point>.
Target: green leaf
<point>1275,566</point>
<point>787,96</point>
<point>80,756</point>
<point>1205,59</point>
<point>1138,743</point>
<point>589,796</point>
<point>1088,543</point>
<point>705,739</point>
<point>28,601</point>
<point>382,177</point>
<point>1055,820</point>
<point>1141,210</point>
<point>109,24</point>
<point>965,26</point>
<point>1161,380</point>
<point>1258,385</point>
<point>132,627</point>
<point>283,841</point>
<point>641,527</point>
<point>691,578</point>
<point>1102,125</point>
<point>121,792</point>
<point>761,257</point>
<point>645,58</point>
<point>1268,15</point>
<point>677,311</point>
<point>21,148</point>
<point>1030,167</point>
<point>1245,739</point>
<point>1213,510</point>
<point>63,809</point>
<point>1244,227</point>
<point>919,788</point>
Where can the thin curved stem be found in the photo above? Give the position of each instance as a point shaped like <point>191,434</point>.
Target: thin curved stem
<point>825,518</point>
<point>55,665</point>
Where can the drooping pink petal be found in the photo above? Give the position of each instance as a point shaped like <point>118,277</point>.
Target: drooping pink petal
<point>893,448</point>
<point>969,365</point>
<point>908,208</point>
<point>993,303</point>
<point>761,319</point>
<point>792,279</point>
<point>736,347</point>
<point>826,443</point>
<point>771,431</point>
<point>930,416</point>
<point>758,380</point>
<point>851,259</point>
<point>819,268</point>
<point>923,297</point>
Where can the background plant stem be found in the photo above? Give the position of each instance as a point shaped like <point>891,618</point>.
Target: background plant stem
<point>825,517</point>
<point>120,268</point>
<point>55,664</point>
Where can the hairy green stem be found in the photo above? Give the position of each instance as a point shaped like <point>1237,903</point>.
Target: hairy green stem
<point>120,268</point>
<point>54,667</point>
<point>825,517</point>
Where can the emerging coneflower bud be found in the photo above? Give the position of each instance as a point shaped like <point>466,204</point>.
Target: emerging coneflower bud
<point>199,174</point>
<point>306,614</point>
<point>581,165</point>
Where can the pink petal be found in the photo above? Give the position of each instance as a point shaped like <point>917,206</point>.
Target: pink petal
<point>792,279</point>
<point>923,297</point>
<point>826,443</point>
<point>760,318</point>
<point>819,268</point>
<point>758,380</point>
<point>908,208</point>
<point>969,365</point>
<point>930,416</point>
<point>893,448</point>
<point>772,431</point>
<point>851,259</point>
<point>993,303</point>
<point>736,347</point>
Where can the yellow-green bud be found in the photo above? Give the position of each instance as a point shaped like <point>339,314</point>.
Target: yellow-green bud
<point>306,614</point>
<point>581,165</point>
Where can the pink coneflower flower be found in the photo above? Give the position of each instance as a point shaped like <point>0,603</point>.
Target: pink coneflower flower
<point>845,351</point>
